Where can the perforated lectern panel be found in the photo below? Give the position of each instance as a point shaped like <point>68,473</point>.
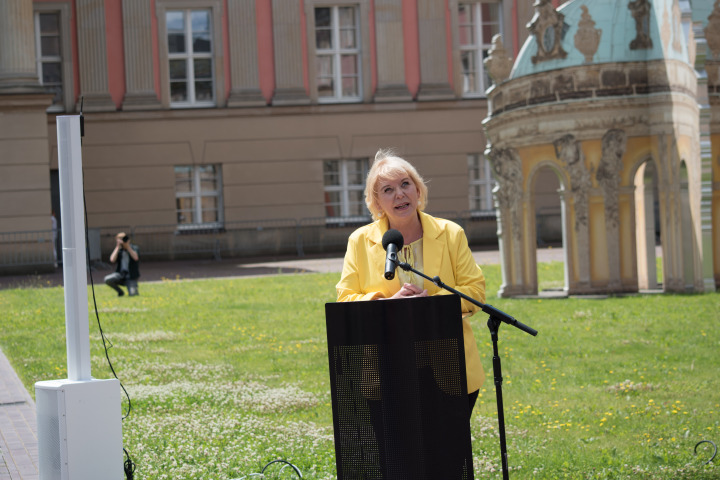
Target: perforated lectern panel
<point>399,391</point>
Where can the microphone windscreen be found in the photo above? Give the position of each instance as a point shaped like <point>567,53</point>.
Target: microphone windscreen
<point>393,236</point>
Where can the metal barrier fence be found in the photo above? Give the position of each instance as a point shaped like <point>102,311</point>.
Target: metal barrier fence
<point>234,239</point>
<point>27,249</point>
<point>33,251</point>
<point>41,249</point>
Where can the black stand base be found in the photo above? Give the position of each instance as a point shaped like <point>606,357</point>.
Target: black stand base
<point>494,325</point>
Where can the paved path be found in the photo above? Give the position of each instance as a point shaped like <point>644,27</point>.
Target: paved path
<point>191,269</point>
<point>18,429</point>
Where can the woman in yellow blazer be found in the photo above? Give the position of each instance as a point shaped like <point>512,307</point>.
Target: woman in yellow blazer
<point>396,195</point>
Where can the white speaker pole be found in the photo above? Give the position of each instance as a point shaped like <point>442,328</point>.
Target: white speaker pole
<point>79,419</point>
<point>73,241</point>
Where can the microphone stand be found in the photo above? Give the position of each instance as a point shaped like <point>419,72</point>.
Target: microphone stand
<point>493,323</point>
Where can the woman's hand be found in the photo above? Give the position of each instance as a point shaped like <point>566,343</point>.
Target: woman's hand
<point>409,290</point>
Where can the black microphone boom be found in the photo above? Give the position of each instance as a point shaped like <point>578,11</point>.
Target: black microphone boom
<point>392,242</point>
<point>496,318</point>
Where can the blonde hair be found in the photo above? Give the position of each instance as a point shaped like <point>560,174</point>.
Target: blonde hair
<point>389,165</point>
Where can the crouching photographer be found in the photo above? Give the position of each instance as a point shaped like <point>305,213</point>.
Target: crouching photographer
<point>125,256</point>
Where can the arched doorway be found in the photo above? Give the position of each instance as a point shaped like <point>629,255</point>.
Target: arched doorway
<point>647,226</point>
<point>546,198</point>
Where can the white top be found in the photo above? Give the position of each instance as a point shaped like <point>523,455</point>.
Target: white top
<point>412,255</point>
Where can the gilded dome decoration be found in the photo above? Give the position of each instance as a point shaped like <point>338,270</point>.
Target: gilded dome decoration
<point>712,30</point>
<point>549,28</point>
<point>498,62</point>
<point>617,100</point>
<point>587,38</point>
<point>619,42</point>
<point>641,13</point>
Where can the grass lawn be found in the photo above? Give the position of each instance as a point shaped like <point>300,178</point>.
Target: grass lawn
<point>227,375</point>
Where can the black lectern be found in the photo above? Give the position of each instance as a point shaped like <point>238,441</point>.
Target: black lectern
<point>399,391</point>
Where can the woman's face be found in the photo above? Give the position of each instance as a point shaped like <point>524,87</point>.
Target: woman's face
<point>397,197</point>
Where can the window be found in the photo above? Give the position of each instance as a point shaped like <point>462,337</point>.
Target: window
<point>198,192</point>
<point>481,184</point>
<point>49,52</point>
<point>477,24</point>
<point>190,52</point>
<point>344,189</point>
<point>190,57</point>
<point>338,42</point>
<point>337,46</point>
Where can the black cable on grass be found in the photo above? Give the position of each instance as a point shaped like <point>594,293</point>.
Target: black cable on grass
<point>711,443</point>
<point>287,464</point>
<point>262,472</point>
<point>128,465</point>
<point>107,344</point>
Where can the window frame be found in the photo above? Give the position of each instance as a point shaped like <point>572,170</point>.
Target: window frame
<point>67,103</point>
<point>216,35</point>
<point>363,31</point>
<point>336,53</point>
<point>479,47</point>
<point>197,193</point>
<point>489,182</point>
<point>345,188</point>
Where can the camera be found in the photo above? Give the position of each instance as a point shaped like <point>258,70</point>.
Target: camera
<point>125,239</point>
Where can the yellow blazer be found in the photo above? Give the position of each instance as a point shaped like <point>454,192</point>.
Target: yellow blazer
<point>445,254</point>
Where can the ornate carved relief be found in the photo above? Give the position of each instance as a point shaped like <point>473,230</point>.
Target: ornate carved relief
<point>498,62</point>
<point>507,167</point>
<point>691,48</point>
<point>640,10</point>
<point>665,29</point>
<point>712,30</point>
<point>608,177</point>
<point>567,149</point>
<point>713,73</point>
<point>677,27</point>
<point>608,173</point>
<point>587,38</point>
<point>549,28</point>
<point>664,174</point>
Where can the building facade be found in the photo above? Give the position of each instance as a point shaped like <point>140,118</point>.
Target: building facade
<point>611,96</point>
<point>204,114</point>
<point>239,127</point>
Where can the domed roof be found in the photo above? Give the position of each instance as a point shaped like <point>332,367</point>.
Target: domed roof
<point>631,31</point>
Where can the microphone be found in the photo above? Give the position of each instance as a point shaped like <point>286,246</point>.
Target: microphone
<point>392,241</point>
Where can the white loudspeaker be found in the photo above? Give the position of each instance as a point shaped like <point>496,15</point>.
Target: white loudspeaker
<point>79,429</point>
